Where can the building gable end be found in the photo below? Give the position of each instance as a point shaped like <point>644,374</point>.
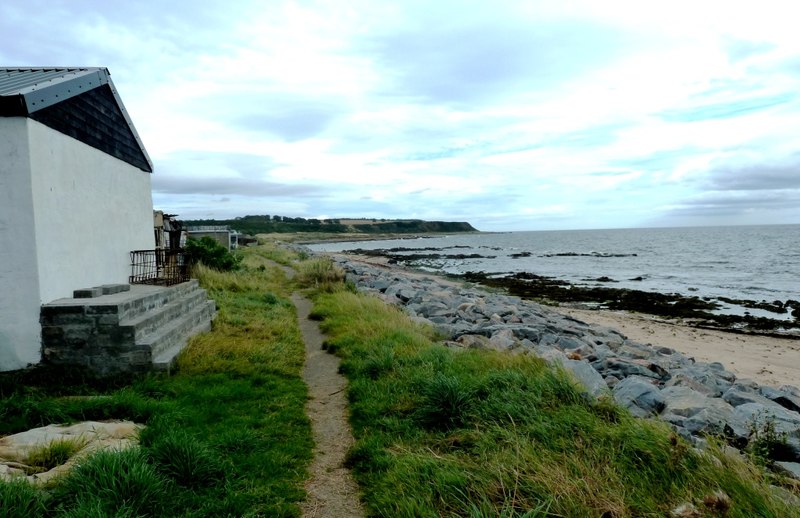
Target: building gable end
<point>79,102</point>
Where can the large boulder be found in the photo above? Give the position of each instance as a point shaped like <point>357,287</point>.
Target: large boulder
<point>785,421</point>
<point>685,402</point>
<point>503,340</point>
<point>639,395</point>
<point>622,368</point>
<point>717,381</point>
<point>736,396</point>
<point>699,414</point>
<point>786,396</point>
<point>589,378</point>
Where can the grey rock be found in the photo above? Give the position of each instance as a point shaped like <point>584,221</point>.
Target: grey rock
<point>785,421</point>
<point>548,339</point>
<point>718,420</point>
<point>631,349</point>
<point>589,378</point>
<point>639,396</point>
<point>568,342</point>
<point>474,341</point>
<point>745,385</point>
<point>550,355</point>
<point>791,469</point>
<point>440,319</point>
<point>685,402</point>
<point>622,368</point>
<point>684,380</point>
<point>503,340</point>
<point>784,396</point>
<point>711,378</point>
<point>738,397</point>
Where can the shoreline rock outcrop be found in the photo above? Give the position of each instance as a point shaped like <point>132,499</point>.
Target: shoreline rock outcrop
<point>696,398</point>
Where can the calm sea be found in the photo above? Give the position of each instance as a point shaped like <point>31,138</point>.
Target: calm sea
<point>747,262</point>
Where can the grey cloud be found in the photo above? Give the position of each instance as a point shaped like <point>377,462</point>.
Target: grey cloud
<point>138,42</point>
<point>767,192</point>
<point>232,186</point>
<point>288,115</point>
<point>444,61</point>
<point>204,172</point>
<point>292,121</point>
<point>756,177</point>
<point>729,204</point>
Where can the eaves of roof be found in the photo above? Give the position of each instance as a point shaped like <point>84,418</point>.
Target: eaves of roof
<point>25,91</point>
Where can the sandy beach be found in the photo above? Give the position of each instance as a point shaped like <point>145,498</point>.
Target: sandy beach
<point>767,360</point>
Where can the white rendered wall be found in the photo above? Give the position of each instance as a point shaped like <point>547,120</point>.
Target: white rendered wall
<point>19,283</point>
<point>91,210</point>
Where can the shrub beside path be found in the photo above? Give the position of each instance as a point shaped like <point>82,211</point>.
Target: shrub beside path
<point>332,491</point>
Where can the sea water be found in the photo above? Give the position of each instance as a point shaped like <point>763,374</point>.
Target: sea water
<point>759,263</point>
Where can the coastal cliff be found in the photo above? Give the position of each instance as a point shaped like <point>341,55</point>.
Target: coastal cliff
<point>266,224</point>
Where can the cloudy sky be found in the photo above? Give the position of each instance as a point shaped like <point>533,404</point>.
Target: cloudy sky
<point>513,115</point>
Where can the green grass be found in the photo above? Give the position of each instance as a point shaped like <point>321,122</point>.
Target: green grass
<point>226,436</point>
<point>479,433</point>
<point>57,452</point>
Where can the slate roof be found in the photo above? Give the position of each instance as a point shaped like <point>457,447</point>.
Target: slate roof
<point>80,102</point>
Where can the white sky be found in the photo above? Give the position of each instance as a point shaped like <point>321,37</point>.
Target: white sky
<point>512,115</point>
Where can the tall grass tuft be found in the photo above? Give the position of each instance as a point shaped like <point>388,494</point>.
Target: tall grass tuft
<point>54,453</point>
<point>20,499</point>
<point>116,481</point>
<point>186,460</point>
<point>320,273</point>
<point>20,411</point>
<point>447,402</point>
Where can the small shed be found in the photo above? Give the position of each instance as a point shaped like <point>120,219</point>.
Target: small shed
<point>75,195</point>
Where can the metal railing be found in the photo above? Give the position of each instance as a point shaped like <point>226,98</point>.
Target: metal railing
<point>163,267</point>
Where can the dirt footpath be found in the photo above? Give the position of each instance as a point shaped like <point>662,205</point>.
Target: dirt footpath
<point>332,492</point>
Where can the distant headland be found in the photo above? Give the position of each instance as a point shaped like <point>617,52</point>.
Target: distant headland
<point>267,224</point>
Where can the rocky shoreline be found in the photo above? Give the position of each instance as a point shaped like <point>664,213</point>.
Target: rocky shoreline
<point>696,398</point>
<point>693,310</point>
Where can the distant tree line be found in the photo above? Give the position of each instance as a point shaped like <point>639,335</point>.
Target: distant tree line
<point>266,224</point>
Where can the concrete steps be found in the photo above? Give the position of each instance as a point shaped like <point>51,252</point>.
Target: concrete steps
<point>127,331</point>
<point>165,343</point>
<point>144,324</point>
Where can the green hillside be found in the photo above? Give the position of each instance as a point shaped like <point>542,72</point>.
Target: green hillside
<point>267,224</point>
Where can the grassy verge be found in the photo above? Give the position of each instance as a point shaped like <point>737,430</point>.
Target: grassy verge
<point>226,435</point>
<point>479,433</point>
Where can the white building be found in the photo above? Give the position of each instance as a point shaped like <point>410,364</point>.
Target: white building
<point>223,235</point>
<point>75,195</point>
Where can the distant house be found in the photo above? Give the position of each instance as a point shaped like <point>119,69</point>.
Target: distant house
<point>219,233</point>
<point>75,195</point>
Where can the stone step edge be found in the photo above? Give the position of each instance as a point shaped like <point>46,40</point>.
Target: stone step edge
<point>165,359</point>
<point>155,340</point>
<point>169,311</point>
<point>155,300</point>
